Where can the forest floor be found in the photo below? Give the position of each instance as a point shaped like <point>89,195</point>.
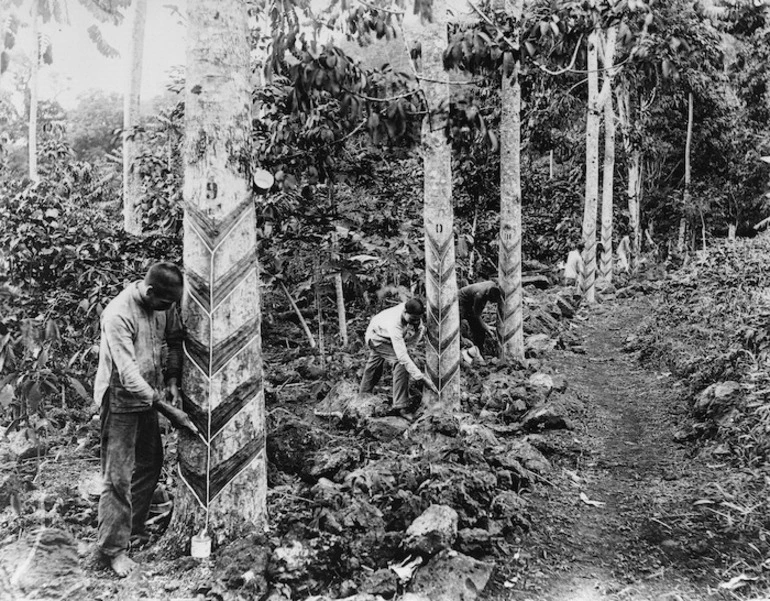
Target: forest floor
<point>616,516</point>
<point>632,535</point>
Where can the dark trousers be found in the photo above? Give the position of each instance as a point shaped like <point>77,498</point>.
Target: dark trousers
<point>478,331</point>
<point>132,458</point>
<point>379,354</point>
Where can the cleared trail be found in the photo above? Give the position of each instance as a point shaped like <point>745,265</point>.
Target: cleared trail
<point>616,524</point>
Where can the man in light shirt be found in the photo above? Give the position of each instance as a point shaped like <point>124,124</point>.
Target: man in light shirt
<point>387,337</point>
<point>573,269</point>
<point>140,363</point>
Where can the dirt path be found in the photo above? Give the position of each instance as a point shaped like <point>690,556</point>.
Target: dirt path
<point>636,543</point>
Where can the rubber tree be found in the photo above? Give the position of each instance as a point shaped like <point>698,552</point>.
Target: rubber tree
<point>593,122</point>
<point>608,176</point>
<point>443,316</point>
<point>223,468</point>
<point>132,214</point>
<point>33,90</point>
<point>511,318</point>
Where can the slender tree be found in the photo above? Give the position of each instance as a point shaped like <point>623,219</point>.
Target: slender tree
<point>593,120</point>
<point>132,214</point>
<point>511,321</point>
<point>223,470</point>
<point>33,91</point>
<point>605,267</point>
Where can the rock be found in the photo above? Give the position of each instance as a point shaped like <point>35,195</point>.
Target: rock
<point>717,399</point>
<point>43,564</point>
<point>474,541</point>
<point>291,562</point>
<point>508,505</point>
<point>547,417</point>
<point>559,382</point>
<point>383,582</point>
<point>565,306</point>
<point>344,402</point>
<point>528,456</point>
<point>539,343</point>
<point>326,492</point>
<point>541,380</point>
<point>452,576</point>
<point>359,514</point>
<point>516,475</point>
<point>434,530</point>
<point>242,564</point>
<point>330,463</point>
<point>386,428</point>
<point>290,445</point>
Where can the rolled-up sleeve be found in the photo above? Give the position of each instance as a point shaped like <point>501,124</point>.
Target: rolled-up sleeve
<point>402,354</point>
<point>118,335</point>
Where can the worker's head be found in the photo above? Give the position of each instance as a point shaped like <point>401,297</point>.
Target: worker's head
<point>163,285</point>
<point>413,311</point>
<point>495,294</point>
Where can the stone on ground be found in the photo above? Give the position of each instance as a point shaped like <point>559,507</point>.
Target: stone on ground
<point>434,530</point>
<point>451,576</point>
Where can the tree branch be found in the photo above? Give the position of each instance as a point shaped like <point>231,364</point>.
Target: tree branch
<point>513,45</point>
<point>385,10</point>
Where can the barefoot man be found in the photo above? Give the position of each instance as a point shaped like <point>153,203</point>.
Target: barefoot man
<point>140,362</point>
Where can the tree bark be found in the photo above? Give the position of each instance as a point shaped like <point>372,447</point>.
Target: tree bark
<point>443,316</point>
<point>687,200</point>
<point>132,210</point>
<point>341,316</point>
<point>510,315</point>
<point>634,160</point>
<point>33,95</point>
<point>592,172</point>
<point>605,269</point>
<point>223,470</point>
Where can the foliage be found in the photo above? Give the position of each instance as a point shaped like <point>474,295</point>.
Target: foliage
<point>65,258</point>
<point>93,124</point>
<point>709,327</point>
<point>159,163</point>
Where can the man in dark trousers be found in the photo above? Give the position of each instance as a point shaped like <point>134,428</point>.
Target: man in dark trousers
<point>389,334</point>
<point>140,363</point>
<point>472,300</point>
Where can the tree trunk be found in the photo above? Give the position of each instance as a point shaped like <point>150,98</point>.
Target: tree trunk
<point>687,200</point>
<point>443,316</point>
<point>319,308</point>
<point>605,269</point>
<point>224,469</point>
<point>592,172</point>
<point>510,320</point>
<point>634,159</point>
<point>341,317</point>
<point>33,84</point>
<point>132,210</point>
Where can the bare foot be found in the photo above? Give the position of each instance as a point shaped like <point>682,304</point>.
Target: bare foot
<point>123,565</point>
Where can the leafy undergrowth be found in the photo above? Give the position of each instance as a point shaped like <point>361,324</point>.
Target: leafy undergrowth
<point>711,331</point>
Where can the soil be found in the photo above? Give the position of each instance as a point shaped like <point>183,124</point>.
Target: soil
<point>615,518</point>
<point>642,539</point>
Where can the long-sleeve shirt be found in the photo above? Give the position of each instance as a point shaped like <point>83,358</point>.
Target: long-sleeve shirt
<point>138,348</point>
<point>574,266</point>
<point>387,328</point>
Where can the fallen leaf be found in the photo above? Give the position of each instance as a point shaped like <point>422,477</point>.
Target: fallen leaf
<point>736,582</point>
<point>587,501</point>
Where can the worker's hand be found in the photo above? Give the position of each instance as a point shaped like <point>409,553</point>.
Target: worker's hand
<point>173,394</point>
<point>177,417</point>
<point>429,383</point>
